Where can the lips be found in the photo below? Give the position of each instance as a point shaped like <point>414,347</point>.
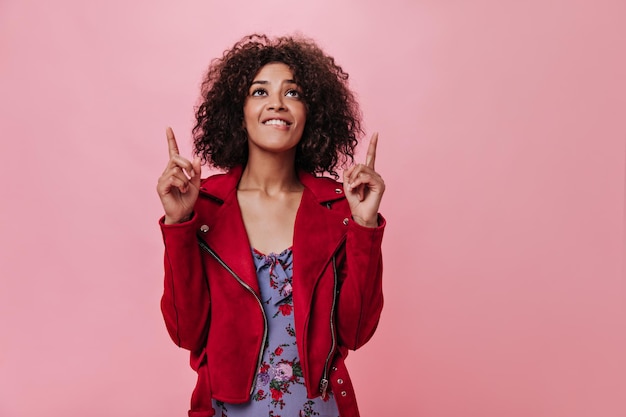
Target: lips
<point>276,122</point>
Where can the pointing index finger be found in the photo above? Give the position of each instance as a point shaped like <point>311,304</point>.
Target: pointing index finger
<point>371,151</point>
<point>171,141</point>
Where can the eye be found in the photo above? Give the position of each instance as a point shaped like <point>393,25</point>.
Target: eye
<point>258,92</point>
<point>293,93</point>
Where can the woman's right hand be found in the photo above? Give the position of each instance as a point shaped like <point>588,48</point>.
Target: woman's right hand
<point>179,185</point>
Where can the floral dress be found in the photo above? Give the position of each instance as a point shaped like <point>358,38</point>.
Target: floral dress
<point>279,390</point>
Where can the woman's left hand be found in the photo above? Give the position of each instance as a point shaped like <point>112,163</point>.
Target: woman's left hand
<point>364,188</point>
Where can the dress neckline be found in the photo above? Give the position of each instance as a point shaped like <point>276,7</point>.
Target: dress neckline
<point>284,252</point>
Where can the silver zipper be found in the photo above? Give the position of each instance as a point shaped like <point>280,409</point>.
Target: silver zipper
<point>204,246</point>
<point>324,381</point>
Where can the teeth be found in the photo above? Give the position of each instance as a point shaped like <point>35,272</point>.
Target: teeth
<point>276,122</point>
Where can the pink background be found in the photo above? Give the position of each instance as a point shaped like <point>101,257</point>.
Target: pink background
<point>502,142</point>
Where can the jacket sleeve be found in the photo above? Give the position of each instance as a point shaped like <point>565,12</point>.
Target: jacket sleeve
<point>185,302</point>
<point>360,278</point>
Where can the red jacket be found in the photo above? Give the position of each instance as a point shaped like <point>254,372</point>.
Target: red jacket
<point>211,301</point>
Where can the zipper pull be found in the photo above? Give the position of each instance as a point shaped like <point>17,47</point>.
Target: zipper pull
<point>323,387</point>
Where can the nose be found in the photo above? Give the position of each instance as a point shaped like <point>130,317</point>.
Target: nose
<point>276,102</point>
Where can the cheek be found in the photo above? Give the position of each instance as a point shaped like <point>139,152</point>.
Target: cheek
<point>249,110</point>
<point>247,116</point>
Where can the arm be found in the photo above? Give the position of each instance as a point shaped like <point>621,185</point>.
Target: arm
<point>360,296</point>
<point>185,302</point>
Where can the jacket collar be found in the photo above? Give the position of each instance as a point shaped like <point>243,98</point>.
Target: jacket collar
<point>221,185</point>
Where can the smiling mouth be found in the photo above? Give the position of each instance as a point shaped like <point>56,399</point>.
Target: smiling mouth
<point>276,122</point>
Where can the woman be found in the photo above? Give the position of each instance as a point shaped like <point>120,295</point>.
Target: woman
<point>271,272</point>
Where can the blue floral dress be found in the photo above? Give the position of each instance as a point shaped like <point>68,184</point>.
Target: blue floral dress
<point>279,390</point>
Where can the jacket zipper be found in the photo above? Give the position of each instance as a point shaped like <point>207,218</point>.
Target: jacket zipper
<point>324,380</point>
<point>204,246</point>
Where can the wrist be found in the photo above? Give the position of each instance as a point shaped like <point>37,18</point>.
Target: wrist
<point>170,220</point>
<point>366,222</point>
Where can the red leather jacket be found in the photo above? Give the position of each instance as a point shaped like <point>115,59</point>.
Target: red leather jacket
<point>211,301</point>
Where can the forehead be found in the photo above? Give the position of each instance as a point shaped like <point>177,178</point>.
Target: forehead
<point>274,71</point>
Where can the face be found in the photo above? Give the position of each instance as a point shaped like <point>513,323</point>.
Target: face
<point>274,113</point>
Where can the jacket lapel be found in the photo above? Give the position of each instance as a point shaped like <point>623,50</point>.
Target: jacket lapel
<point>318,232</point>
<point>227,234</point>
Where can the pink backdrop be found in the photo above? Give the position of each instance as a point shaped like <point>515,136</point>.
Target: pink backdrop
<point>503,145</point>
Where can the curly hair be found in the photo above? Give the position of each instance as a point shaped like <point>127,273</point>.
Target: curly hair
<point>333,122</point>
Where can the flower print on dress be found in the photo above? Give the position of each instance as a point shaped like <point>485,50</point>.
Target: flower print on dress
<point>262,379</point>
<point>284,309</point>
<point>285,375</point>
<point>283,371</point>
<point>278,351</point>
<point>260,395</point>
<point>291,332</point>
<point>287,289</point>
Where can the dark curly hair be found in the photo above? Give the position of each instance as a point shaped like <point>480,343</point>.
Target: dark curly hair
<point>333,121</point>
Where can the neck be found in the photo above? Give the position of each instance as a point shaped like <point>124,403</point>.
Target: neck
<point>270,173</point>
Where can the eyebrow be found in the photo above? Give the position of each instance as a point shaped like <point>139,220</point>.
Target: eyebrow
<point>267,82</point>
